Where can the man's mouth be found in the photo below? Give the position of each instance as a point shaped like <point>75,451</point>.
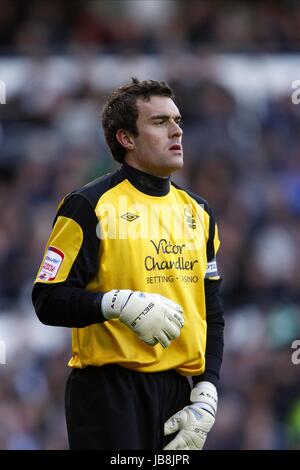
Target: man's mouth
<point>176,147</point>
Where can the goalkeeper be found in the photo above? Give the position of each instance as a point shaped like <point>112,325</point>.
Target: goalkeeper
<point>146,353</point>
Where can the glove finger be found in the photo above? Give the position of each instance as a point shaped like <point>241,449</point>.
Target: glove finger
<point>188,440</point>
<point>198,445</point>
<point>178,443</point>
<point>171,330</point>
<point>194,438</point>
<point>174,317</point>
<point>150,342</point>
<point>173,423</point>
<point>163,339</point>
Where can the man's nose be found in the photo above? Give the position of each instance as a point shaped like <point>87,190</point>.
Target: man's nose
<point>175,129</point>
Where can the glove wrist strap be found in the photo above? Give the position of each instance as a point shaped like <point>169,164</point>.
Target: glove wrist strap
<point>113,302</point>
<point>205,393</point>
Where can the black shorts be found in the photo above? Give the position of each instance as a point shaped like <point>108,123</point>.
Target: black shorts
<point>114,408</point>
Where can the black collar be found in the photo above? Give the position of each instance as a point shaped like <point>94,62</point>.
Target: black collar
<point>149,184</point>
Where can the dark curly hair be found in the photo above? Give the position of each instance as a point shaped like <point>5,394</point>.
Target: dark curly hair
<point>120,110</point>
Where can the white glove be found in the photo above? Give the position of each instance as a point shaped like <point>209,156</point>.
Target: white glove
<point>154,318</point>
<point>195,420</point>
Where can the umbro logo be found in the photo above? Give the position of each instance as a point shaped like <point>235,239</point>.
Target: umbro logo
<point>129,216</point>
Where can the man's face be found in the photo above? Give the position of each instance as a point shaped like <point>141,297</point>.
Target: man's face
<point>157,149</point>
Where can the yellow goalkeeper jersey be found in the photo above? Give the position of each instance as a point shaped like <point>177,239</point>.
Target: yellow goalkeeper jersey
<point>127,230</point>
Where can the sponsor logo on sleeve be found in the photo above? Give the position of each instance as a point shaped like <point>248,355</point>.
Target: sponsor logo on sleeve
<point>212,269</point>
<point>52,263</point>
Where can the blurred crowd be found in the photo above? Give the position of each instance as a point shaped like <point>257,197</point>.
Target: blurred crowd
<point>245,160</point>
<point>148,26</point>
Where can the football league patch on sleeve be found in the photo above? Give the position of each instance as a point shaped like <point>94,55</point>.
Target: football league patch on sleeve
<point>51,265</point>
<point>212,269</point>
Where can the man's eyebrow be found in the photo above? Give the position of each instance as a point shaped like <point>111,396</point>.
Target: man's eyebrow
<point>164,116</point>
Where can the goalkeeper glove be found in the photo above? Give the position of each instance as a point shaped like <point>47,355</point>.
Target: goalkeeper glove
<point>154,318</point>
<point>195,420</point>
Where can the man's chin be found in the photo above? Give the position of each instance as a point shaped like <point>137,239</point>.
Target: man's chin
<point>166,170</point>
<point>176,164</point>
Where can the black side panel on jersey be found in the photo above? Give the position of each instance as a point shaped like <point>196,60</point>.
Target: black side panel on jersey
<point>68,303</point>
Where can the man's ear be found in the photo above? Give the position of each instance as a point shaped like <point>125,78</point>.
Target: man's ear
<point>125,139</point>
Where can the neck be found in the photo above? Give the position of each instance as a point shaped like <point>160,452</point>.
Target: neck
<point>148,171</point>
<point>146,182</point>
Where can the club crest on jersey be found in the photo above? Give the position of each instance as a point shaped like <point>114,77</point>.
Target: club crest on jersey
<point>190,219</point>
<point>52,262</point>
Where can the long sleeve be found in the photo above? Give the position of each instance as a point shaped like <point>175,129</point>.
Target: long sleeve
<point>70,262</point>
<point>215,332</point>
